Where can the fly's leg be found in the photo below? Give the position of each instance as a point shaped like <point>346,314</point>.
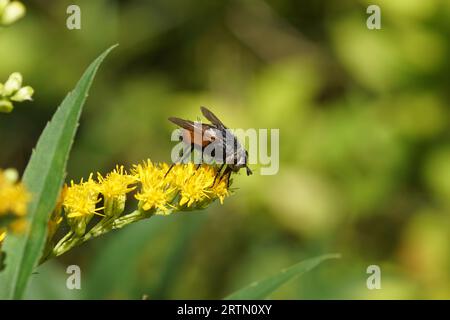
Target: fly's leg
<point>228,179</point>
<point>218,173</point>
<point>181,159</point>
<point>171,166</point>
<point>227,174</point>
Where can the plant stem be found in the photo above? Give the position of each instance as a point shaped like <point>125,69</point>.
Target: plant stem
<point>70,240</point>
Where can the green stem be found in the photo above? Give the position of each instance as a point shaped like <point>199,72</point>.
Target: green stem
<point>70,240</point>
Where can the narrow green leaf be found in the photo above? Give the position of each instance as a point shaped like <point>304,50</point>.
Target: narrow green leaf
<point>262,289</point>
<point>44,177</point>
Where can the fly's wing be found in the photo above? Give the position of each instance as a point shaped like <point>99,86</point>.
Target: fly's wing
<point>211,117</point>
<point>207,132</point>
<point>185,124</point>
<point>190,125</point>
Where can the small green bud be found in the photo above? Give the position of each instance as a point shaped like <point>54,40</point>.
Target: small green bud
<point>78,225</point>
<point>13,84</point>
<point>12,12</point>
<point>6,106</point>
<point>114,206</point>
<point>23,94</point>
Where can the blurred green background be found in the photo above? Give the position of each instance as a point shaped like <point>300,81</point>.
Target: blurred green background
<point>364,140</point>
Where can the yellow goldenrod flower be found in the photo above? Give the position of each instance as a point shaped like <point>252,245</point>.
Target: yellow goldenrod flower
<point>156,191</point>
<point>81,199</point>
<point>180,173</point>
<point>116,183</point>
<point>197,186</point>
<point>220,190</point>
<point>13,196</point>
<point>14,200</point>
<point>114,188</point>
<point>80,204</point>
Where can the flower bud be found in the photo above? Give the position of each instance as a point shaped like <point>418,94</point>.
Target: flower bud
<point>13,84</point>
<point>23,94</point>
<point>6,106</point>
<point>12,12</point>
<point>11,175</point>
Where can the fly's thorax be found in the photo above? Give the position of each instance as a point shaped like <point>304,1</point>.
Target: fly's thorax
<point>211,134</point>
<point>241,157</point>
<point>225,148</point>
<point>235,154</point>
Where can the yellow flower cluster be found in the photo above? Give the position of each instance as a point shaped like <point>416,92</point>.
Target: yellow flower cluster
<point>158,188</point>
<point>197,185</point>
<point>184,186</point>
<point>13,203</point>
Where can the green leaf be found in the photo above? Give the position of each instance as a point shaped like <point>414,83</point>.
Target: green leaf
<point>44,177</point>
<point>262,289</point>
